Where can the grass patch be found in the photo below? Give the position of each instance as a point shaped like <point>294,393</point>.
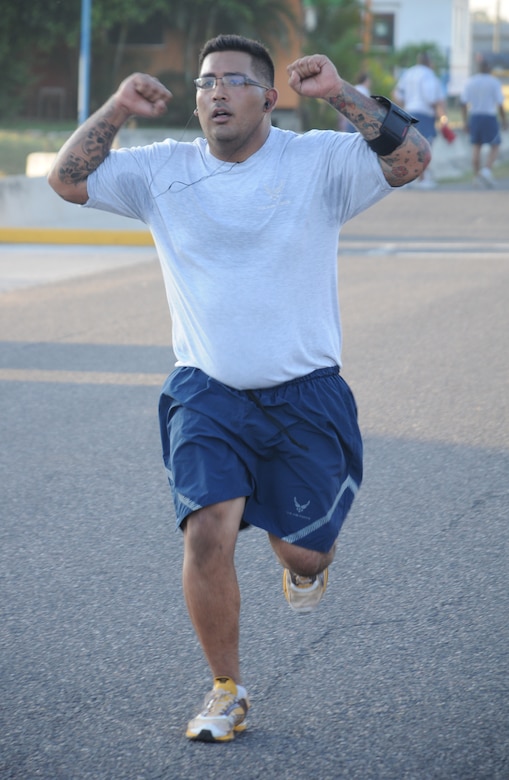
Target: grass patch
<point>16,143</point>
<point>22,137</point>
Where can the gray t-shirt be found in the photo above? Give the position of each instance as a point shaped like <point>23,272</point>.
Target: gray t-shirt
<point>483,93</point>
<point>248,250</point>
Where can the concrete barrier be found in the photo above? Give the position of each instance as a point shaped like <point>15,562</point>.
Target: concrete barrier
<point>31,212</point>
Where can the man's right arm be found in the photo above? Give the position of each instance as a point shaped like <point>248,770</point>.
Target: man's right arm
<point>89,145</point>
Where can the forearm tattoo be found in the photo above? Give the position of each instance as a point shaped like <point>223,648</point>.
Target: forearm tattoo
<point>88,152</point>
<point>369,126</point>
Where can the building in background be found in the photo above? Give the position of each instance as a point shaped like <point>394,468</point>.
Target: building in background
<point>395,24</point>
<point>491,40</point>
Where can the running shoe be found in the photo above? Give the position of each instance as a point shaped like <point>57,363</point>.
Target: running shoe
<point>487,177</point>
<point>223,714</point>
<point>304,593</point>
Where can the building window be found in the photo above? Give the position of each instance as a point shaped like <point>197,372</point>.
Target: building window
<point>382,31</point>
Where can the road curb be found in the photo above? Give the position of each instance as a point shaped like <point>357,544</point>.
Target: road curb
<point>22,235</point>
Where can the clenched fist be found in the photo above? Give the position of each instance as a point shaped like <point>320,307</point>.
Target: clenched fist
<point>314,76</point>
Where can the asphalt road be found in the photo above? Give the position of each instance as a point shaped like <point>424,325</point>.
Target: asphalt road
<point>402,673</point>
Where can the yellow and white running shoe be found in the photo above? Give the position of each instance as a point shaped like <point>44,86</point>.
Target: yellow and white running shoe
<point>304,593</point>
<point>223,714</point>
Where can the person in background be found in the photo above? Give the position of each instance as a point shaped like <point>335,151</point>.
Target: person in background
<point>258,427</point>
<point>420,92</point>
<point>482,105</point>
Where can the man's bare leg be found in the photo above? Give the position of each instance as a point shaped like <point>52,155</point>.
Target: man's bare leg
<point>476,159</point>
<point>306,563</point>
<point>210,583</point>
<point>492,156</point>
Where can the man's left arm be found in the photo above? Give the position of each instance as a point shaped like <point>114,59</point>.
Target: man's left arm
<point>501,113</point>
<point>316,76</point>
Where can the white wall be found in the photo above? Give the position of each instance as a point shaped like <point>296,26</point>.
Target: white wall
<point>443,22</point>
<point>27,202</point>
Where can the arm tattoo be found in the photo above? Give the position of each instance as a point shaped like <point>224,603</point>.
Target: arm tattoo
<point>369,126</point>
<point>408,160</point>
<point>91,148</point>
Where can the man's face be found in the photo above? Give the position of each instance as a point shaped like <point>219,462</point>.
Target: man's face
<point>234,119</point>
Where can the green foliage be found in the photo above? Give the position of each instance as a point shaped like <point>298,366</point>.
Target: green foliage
<point>407,56</point>
<point>196,21</point>
<point>27,27</point>
<point>267,19</point>
<point>16,78</point>
<point>106,14</point>
<point>382,79</point>
<point>337,35</point>
<point>15,69</point>
<point>16,145</point>
<point>45,26</point>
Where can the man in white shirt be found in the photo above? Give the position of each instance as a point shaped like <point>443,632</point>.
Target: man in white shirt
<point>481,100</point>
<point>420,92</point>
<point>258,426</point>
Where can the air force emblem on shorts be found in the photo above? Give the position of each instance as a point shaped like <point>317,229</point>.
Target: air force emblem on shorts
<point>300,507</point>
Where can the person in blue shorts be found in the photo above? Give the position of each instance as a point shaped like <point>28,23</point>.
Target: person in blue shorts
<point>258,426</point>
<point>420,92</point>
<point>482,104</point>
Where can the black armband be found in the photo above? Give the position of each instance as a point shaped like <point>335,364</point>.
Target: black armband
<point>393,130</point>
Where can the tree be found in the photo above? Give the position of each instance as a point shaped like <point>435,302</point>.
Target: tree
<point>407,56</point>
<point>32,27</point>
<point>112,21</point>
<point>337,34</point>
<point>198,20</point>
<point>27,28</point>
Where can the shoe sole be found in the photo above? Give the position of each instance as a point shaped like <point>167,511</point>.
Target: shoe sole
<point>205,735</point>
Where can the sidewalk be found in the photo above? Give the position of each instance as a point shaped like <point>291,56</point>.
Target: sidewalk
<point>23,266</point>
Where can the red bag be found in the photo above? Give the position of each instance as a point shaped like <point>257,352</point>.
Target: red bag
<point>448,133</point>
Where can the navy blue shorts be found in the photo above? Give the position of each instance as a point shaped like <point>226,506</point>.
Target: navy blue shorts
<point>484,129</point>
<point>294,451</point>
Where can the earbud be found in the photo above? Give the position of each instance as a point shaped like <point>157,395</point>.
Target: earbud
<point>195,112</point>
<point>266,105</point>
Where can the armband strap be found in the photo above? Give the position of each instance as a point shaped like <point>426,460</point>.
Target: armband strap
<point>393,130</point>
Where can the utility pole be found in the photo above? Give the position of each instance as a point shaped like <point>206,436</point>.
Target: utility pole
<point>84,62</point>
<point>496,30</point>
<point>367,28</point>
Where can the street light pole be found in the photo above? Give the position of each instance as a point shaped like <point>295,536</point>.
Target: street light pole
<point>84,62</point>
<point>496,29</point>
<point>367,30</point>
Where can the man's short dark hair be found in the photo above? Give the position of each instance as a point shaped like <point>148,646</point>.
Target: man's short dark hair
<point>261,59</point>
<point>423,58</point>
